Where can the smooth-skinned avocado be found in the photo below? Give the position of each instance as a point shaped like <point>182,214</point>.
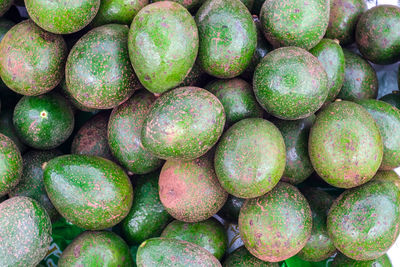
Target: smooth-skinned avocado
<point>241,257</point>
<point>10,165</point>
<point>290,83</point>
<point>91,192</point>
<point>345,145</point>
<point>341,260</point>
<point>166,54</point>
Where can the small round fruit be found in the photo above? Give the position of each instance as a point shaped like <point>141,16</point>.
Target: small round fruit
<point>241,257</point>
<point>341,260</point>
<point>10,165</point>
<point>389,176</point>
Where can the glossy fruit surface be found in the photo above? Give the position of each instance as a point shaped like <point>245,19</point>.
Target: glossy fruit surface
<point>10,165</point>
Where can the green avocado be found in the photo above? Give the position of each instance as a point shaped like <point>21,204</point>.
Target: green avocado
<point>360,80</point>
<point>31,183</point>
<point>168,252</point>
<point>290,83</point>
<point>147,217</point>
<point>10,165</point>
<point>250,158</point>
<point>363,222</point>
<point>387,118</point>
<point>390,176</point>
<point>378,34</point>
<point>345,145</point>
<point>209,234</point>
<point>25,232</point>
<point>344,15</point>
<point>241,257</point>
<point>43,122</point>
<point>191,5</point>
<point>341,260</point>
<point>163,44</point>
<point>7,128</point>
<point>124,134</point>
<point>5,6</point>
<point>189,190</point>
<point>96,248</point>
<point>228,37</point>
<point>183,124</point>
<point>31,59</point>
<point>62,16</point>
<point>277,225</point>
<point>295,22</point>
<point>75,104</point>
<point>231,209</point>
<point>392,98</point>
<point>331,56</point>
<point>295,134</point>
<point>237,97</point>
<point>98,72</point>
<point>90,192</point>
<point>319,247</point>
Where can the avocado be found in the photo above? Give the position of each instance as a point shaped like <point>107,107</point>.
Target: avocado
<point>360,80</point>
<point>290,83</point>
<point>342,260</point>
<point>91,192</point>
<point>331,56</point>
<point>363,222</point>
<point>173,252</point>
<point>124,134</point>
<point>344,15</point>
<point>209,234</point>
<point>231,209</point>
<point>387,118</point>
<point>96,248</point>
<point>378,34</point>
<point>277,225</point>
<point>75,104</point>
<point>147,217</point>
<point>63,16</point>
<point>183,124</point>
<point>228,37</point>
<point>241,257</point>
<point>250,158</point>
<point>390,176</point>
<point>31,183</point>
<point>5,6</point>
<point>10,165</point>
<point>319,247</point>
<point>345,145</point>
<point>102,55</point>
<point>25,232</point>
<point>189,190</point>
<point>295,134</point>
<point>7,128</point>
<point>31,59</point>
<point>166,55</point>
<point>237,97</point>
<point>43,122</point>
<point>295,22</point>
<point>392,98</point>
<point>191,5</point>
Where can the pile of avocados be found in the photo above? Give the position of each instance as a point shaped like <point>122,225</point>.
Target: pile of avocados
<point>140,133</point>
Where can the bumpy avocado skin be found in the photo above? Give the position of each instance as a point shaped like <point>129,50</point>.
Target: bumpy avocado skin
<point>342,260</point>
<point>10,165</point>
<point>241,257</point>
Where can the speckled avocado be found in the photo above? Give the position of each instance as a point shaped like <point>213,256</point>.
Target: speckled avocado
<point>97,248</point>
<point>389,176</point>
<point>299,24</point>
<point>331,56</point>
<point>31,59</point>
<point>345,145</point>
<point>103,55</point>
<point>43,122</point>
<point>341,260</point>
<point>392,98</point>
<point>319,247</point>
<point>241,257</point>
<point>271,233</point>
<point>387,118</point>
<point>209,234</point>
<point>63,16</point>
<point>10,165</point>
<point>363,222</point>
<point>164,58</point>
<point>124,134</point>
<point>378,34</point>
<point>99,194</point>
<point>170,252</point>
<point>344,15</point>
<point>25,232</point>
<point>183,124</point>
<point>7,128</point>
<point>31,183</point>
<point>231,209</point>
<point>237,97</point>
<point>277,85</point>
<point>75,103</point>
<point>191,5</point>
<point>295,134</point>
<point>360,80</point>
<point>228,37</point>
<point>4,6</point>
<point>250,158</point>
<point>189,190</point>
<point>147,217</point>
